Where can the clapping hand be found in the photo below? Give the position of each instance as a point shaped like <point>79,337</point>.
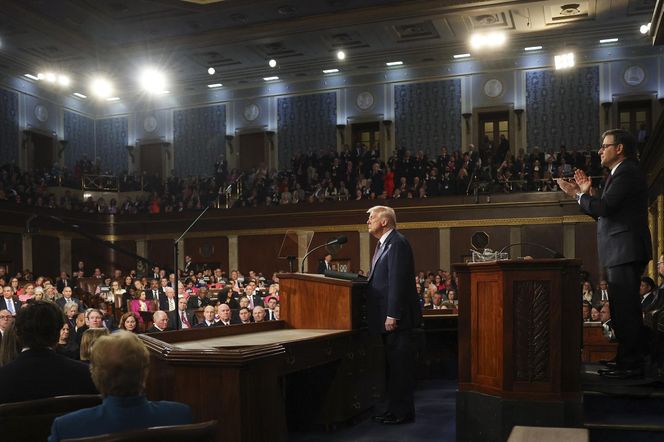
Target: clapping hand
<point>583,181</point>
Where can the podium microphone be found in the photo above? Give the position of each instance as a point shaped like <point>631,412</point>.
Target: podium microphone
<point>554,253</point>
<point>340,240</point>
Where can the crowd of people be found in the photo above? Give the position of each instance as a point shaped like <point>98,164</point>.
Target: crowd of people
<point>356,173</point>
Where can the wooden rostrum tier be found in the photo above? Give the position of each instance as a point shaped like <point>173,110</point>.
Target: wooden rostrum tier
<point>316,366</point>
<point>520,331</point>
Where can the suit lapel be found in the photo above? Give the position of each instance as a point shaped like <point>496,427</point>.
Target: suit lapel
<point>383,250</point>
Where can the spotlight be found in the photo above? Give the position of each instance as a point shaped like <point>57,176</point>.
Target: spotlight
<point>152,81</point>
<point>101,87</point>
<point>644,29</point>
<point>113,99</point>
<point>271,78</point>
<point>330,71</point>
<point>608,40</point>
<point>31,77</point>
<point>272,63</point>
<point>63,80</point>
<point>41,76</point>
<point>491,40</point>
<point>394,63</point>
<point>79,95</point>
<point>564,61</point>
<point>50,77</point>
<point>461,56</point>
<point>211,71</point>
<point>341,55</point>
<point>214,85</point>
<point>532,48</point>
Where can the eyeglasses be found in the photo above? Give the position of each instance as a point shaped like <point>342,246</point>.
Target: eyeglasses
<point>607,145</point>
<point>5,316</point>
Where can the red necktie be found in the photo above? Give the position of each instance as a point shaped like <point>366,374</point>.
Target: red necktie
<point>184,320</point>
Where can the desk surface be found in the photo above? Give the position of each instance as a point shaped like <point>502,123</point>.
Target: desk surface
<point>258,338</point>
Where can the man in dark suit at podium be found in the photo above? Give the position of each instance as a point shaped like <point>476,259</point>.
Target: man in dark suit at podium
<point>623,240</point>
<point>393,310</point>
<point>324,264</point>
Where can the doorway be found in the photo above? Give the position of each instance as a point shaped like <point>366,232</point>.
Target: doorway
<point>491,126</point>
<point>253,150</point>
<point>366,133</point>
<point>152,159</point>
<point>41,155</point>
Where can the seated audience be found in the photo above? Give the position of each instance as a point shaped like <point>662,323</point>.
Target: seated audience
<point>594,313</point>
<point>93,319</point>
<point>271,302</point>
<point>87,341</point>
<point>8,301</point>
<point>159,322</point>
<point>185,318</point>
<point>67,345</point>
<point>586,308</point>
<point>259,314</point>
<point>119,364</point>
<point>38,330</point>
<point>8,344</point>
<point>208,318</point>
<point>245,315</point>
<point>224,312</point>
<point>648,291</point>
<point>6,319</point>
<point>129,322</point>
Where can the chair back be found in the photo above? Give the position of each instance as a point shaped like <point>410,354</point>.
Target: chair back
<point>31,420</point>
<point>200,432</point>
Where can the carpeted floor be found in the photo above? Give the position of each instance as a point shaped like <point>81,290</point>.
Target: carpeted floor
<point>434,421</point>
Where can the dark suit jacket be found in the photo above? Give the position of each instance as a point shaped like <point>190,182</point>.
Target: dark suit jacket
<point>23,379</point>
<point>391,290</point>
<point>257,299</point>
<point>322,267</point>
<point>193,320</point>
<point>650,301</point>
<point>205,324</point>
<point>622,217</point>
<point>149,294</point>
<point>60,284</point>
<point>17,303</point>
<point>62,301</point>
<point>154,329</point>
<point>117,414</point>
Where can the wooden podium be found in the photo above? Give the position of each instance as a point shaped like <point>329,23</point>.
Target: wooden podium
<point>316,366</point>
<point>520,331</point>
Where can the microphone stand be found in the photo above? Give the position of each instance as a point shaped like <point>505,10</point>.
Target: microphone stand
<point>334,241</point>
<point>177,272</point>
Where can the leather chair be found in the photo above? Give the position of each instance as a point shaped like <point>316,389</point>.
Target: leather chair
<point>31,420</point>
<point>200,432</point>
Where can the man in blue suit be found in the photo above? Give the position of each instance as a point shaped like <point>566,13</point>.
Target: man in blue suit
<point>393,310</point>
<point>119,366</point>
<point>623,240</point>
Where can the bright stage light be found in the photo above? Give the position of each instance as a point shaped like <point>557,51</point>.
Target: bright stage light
<point>211,71</point>
<point>272,63</point>
<point>63,80</point>
<point>152,81</point>
<point>564,61</point>
<point>50,77</point>
<point>341,55</point>
<point>101,87</point>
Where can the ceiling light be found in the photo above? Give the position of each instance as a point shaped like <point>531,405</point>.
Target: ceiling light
<point>490,40</point>
<point>270,78</point>
<point>101,87</point>
<point>213,85</point>
<point>152,80</point>
<point>63,80</point>
<point>330,71</point>
<point>341,55</point>
<point>50,77</point>
<point>113,99</point>
<point>41,76</point>
<point>272,63</point>
<point>461,55</point>
<point>164,92</point>
<point>608,40</point>
<point>564,61</point>
<point>211,71</point>
<point>532,48</point>
<point>644,29</point>
<point>31,77</point>
<point>80,95</point>
<point>394,63</point>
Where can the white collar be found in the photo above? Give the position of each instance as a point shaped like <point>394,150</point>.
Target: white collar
<point>613,169</point>
<point>384,237</point>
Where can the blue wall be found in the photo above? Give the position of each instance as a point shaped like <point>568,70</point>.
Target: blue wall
<point>8,127</point>
<point>112,136</point>
<point>306,122</point>
<point>199,137</point>
<point>428,115</point>
<point>79,131</point>
<point>562,107</point>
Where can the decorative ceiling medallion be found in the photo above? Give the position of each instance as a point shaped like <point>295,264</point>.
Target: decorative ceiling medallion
<point>150,124</point>
<point>634,75</point>
<point>251,112</point>
<point>493,88</point>
<point>41,113</point>
<point>364,100</point>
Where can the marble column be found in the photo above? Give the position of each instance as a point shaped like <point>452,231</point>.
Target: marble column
<point>233,260</point>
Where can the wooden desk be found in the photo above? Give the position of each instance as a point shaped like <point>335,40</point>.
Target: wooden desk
<point>596,346</point>
<point>260,380</point>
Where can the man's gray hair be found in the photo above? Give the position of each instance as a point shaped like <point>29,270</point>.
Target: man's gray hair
<point>384,212</point>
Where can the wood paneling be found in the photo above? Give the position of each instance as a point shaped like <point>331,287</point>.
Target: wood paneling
<point>160,251</point>
<point>261,254</point>
<point>585,249</point>
<point>92,254</point>
<point>45,255</point>
<point>350,250</point>
<point>11,252</point>
<point>548,235</point>
<point>123,261</point>
<point>426,249</point>
<point>212,250</point>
